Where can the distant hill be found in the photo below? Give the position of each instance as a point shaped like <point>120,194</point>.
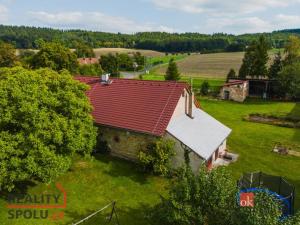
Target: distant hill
<point>26,37</point>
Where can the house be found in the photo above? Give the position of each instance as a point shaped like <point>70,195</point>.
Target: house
<point>236,90</point>
<point>87,61</point>
<point>134,113</point>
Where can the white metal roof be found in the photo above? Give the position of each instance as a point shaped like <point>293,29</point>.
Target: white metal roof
<point>203,134</point>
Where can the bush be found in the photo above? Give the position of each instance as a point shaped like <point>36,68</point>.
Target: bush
<point>156,157</point>
<point>204,89</point>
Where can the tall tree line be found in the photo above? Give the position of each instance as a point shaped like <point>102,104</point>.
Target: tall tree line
<point>27,37</point>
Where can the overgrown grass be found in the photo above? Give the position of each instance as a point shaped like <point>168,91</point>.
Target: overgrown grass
<point>254,141</point>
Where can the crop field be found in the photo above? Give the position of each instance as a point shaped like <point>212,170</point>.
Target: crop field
<point>104,51</point>
<point>215,65</point>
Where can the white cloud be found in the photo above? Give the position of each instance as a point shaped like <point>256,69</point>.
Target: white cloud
<point>3,13</point>
<point>95,21</point>
<point>221,6</point>
<point>239,25</point>
<point>251,24</point>
<point>287,21</point>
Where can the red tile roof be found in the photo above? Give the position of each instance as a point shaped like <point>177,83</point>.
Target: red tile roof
<point>88,61</point>
<point>142,106</point>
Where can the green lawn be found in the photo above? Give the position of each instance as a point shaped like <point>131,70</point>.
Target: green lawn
<point>254,141</point>
<point>90,185</point>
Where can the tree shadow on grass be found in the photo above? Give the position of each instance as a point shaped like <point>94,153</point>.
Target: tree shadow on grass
<point>295,115</point>
<point>123,168</point>
<point>21,188</point>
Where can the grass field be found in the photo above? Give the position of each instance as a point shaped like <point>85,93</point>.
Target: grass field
<point>215,65</point>
<point>104,51</point>
<point>90,185</point>
<point>254,141</point>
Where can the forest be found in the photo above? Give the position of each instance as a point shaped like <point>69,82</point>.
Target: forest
<point>23,37</point>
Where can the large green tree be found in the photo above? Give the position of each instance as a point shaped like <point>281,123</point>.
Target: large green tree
<point>292,50</point>
<point>289,80</point>
<point>7,55</point>
<point>110,64</point>
<point>44,120</point>
<point>172,71</point>
<point>248,61</point>
<point>255,59</point>
<point>55,56</point>
<point>261,58</point>
<point>276,66</point>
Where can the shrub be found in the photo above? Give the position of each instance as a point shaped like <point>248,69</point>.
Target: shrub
<point>156,157</point>
<point>204,89</point>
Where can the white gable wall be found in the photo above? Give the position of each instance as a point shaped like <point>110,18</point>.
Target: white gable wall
<point>204,135</point>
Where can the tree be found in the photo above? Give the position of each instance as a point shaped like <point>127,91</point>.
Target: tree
<point>7,55</point>
<point>276,67</point>
<point>255,59</point>
<point>91,70</point>
<point>261,58</point>
<point>172,71</point>
<point>289,80</point>
<point>292,50</point>
<point>25,57</point>
<point>110,64</point>
<point>44,120</point>
<point>266,211</point>
<point>208,198</point>
<point>157,156</point>
<point>204,89</point>
<point>231,74</point>
<point>84,51</point>
<point>54,56</point>
<point>248,60</point>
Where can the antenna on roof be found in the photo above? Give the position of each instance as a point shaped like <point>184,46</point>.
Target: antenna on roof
<point>105,79</point>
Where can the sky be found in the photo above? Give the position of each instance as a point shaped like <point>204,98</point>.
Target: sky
<point>131,16</point>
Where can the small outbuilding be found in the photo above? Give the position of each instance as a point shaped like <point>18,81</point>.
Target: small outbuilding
<point>236,90</point>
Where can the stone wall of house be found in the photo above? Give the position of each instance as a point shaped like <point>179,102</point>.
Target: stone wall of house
<point>123,143</point>
<point>238,92</point>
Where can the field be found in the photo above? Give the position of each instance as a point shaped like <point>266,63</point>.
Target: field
<point>91,184</point>
<point>104,51</point>
<point>215,65</point>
